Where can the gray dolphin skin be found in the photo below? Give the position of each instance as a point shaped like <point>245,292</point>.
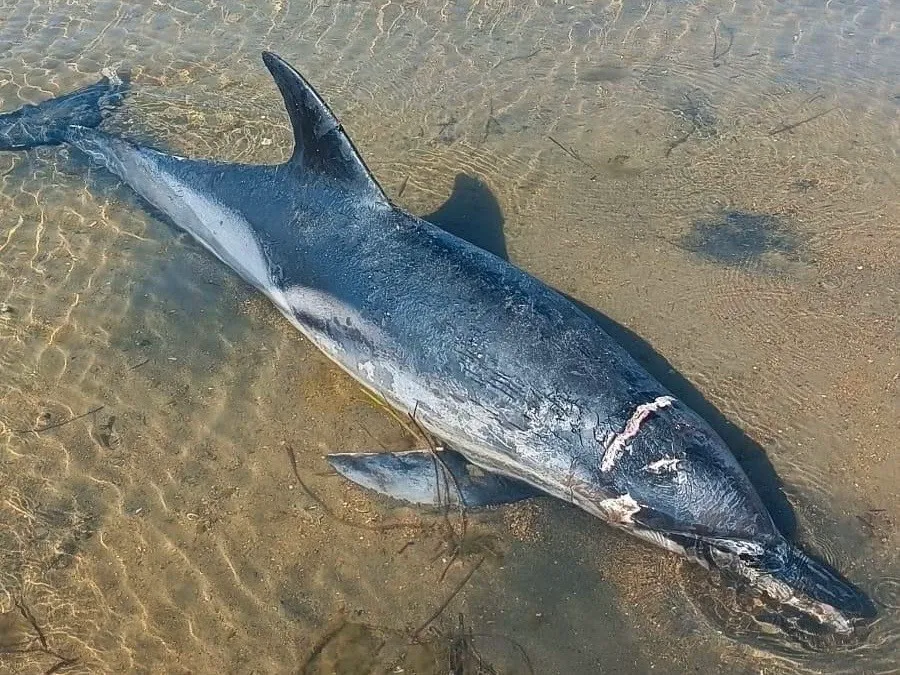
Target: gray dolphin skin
<point>524,391</point>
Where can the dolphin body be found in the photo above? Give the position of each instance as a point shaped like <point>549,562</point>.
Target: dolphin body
<point>525,392</point>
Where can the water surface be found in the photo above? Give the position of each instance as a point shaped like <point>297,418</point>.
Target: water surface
<point>719,179</point>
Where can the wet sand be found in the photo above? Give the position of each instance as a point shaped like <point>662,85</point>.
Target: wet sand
<point>720,183</point>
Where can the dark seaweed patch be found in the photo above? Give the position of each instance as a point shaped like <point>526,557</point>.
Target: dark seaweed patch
<point>696,108</point>
<point>742,239</point>
<point>610,73</point>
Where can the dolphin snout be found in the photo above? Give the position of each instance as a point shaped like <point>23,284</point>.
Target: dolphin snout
<point>815,603</point>
<point>818,588</point>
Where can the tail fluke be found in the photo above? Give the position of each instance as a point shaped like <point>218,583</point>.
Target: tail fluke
<point>47,123</point>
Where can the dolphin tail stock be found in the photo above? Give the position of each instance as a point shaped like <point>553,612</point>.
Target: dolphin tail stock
<point>49,122</point>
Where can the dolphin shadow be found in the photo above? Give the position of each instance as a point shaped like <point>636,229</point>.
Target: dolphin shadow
<point>473,213</point>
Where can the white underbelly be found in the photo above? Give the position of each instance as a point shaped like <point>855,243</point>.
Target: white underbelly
<point>467,426</point>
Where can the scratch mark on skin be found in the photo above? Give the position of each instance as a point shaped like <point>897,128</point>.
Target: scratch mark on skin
<point>664,465</point>
<point>570,479</point>
<point>618,443</point>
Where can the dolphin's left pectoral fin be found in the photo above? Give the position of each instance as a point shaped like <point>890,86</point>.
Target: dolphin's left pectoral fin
<point>429,477</point>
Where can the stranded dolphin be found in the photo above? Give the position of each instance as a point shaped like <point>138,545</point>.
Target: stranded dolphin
<point>526,393</point>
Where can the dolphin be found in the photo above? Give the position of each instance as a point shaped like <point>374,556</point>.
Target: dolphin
<point>524,392</point>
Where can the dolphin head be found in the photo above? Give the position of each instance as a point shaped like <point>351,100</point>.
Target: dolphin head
<point>690,495</point>
<point>811,602</point>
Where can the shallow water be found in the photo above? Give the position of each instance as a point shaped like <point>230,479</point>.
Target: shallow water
<point>720,179</point>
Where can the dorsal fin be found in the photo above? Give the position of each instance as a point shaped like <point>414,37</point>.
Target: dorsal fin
<point>320,144</point>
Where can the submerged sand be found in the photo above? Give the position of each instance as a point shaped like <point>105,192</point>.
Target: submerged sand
<point>720,180</point>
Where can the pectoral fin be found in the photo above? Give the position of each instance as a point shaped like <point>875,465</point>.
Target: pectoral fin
<point>421,477</point>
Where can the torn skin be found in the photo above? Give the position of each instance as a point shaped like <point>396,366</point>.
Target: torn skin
<point>618,443</point>
<point>620,511</point>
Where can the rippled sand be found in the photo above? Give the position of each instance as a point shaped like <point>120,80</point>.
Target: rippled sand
<point>718,178</point>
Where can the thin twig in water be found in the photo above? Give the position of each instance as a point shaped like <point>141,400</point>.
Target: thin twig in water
<point>403,186</point>
<point>384,404</point>
<point>443,475</point>
<point>514,643</point>
<point>460,501</point>
<point>414,636</point>
<point>447,601</point>
<point>462,649</point>
<point>25,611</point>
<point>322,643</point>
<point>375,438</point>
<point>794,125</point>
<point>520,57</point>
<point>415,430</point>
<point>716,56</point>
<point>812,98</point>
<point>59,665</point>
<point>574,155</point>
<point>571,153</point>
<point>37,430</point>
<point>681,139</point>
<point>865,522</point>
<point>44,648</point>
<point>138,365</point>
<point>449,565</point>
<point>490,120</point>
